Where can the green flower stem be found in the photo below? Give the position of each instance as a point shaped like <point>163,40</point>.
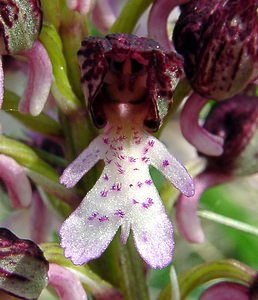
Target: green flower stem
<point>134,284</point>
<point>61,87</point>
<point>51,11</point>
<point>42,123</point>
<point>93,284</point>
<point>211,216</point>
<point>223,269</point>
<point>129,16</point>
<point>73,30</point>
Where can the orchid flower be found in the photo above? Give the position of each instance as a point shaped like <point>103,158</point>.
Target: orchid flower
<point>128,96</point>
<point>18,38</point>
<point>235,120</point>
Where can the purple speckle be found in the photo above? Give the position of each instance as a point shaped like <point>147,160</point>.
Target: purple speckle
<point>165,163</point>
<point>116,187</point>
<point>105,177</point>
<point>106,141</point>
<point>145,159</point>
<point>148,203</point>
<point>104,218</point>
<point>151,143</point>
<point>135,201</point>
<point>149,182</point>
<point>139,184</point>
<point>104,193</point>
<point>119,213</point>
<point>93,216</point>
<point>132,159</point>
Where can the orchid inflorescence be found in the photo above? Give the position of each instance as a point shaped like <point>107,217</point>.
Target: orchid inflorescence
<point>93,84</point>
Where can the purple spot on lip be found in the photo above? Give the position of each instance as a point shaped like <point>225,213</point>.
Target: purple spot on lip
<point>165,163</point>
<point>151,143</point>
<point>149,182</point>
<point>93,216</point>
<point>104,218</point>
<point>135,201</point>
<point>119,213</point>
<point>104,193</point>
<point>105,177</point>
<point>148,203</point>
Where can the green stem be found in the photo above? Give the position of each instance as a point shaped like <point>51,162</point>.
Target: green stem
<point>134,284</point>
<point>211,216</point>
<point>129,16</point>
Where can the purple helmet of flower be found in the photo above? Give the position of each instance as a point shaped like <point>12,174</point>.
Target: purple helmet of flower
<point>219,42</point>
<point>126,68</point>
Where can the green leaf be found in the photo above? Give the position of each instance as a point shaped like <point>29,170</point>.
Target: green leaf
<point>42,123</point>
<point>61,87</point>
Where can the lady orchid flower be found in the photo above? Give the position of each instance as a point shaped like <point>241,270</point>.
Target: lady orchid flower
<point>20,24</point>
<point>236,121</point>
<point>128,82</point>
<point>219,42</point>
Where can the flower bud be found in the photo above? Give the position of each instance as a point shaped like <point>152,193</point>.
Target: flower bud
<point>219,42</point>
<point>20,24</point>
<point>23,266</point>
<point>236,121</point>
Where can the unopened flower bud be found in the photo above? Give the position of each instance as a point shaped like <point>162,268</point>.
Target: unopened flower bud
<point>219,42</point>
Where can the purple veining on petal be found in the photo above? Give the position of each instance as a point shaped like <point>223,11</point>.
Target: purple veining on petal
<point>161,10</point>
<point>65,282</point>
<point>39,81</point>
<point>16,181</point>
<point>1,82</point>
<point>186,208</point>
<point>226,291</point>
<point>199,137</point>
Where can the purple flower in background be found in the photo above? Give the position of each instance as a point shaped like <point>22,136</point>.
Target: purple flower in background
<point>236,121</point>
<point>219,43</point>
<point>128,82</point>
<point>19,38</point>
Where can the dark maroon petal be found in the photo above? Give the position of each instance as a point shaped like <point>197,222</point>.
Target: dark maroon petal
<point>236,121</point>
<point>124,68</point>
<point>218,40</point>
<point>20,24</point>
<point>23,268</point>
<point>226,291</point>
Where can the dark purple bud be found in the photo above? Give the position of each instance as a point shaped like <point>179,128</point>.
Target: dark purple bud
<point>218,40</point>
<point>20,24</point>
<point>236,121</point>
<point>23,268</point>
<point>126,69</point>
